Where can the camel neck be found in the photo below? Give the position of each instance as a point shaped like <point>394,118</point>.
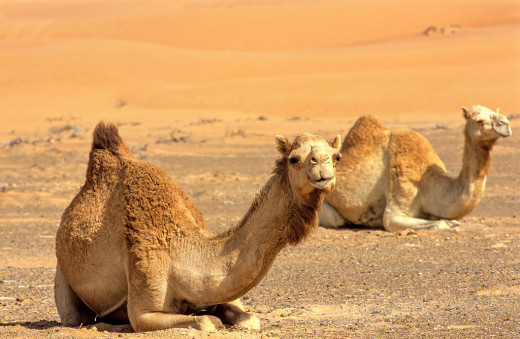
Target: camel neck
<point>243,255</point>
<point>476,162</point>
<point>276,218</point>
<point>476,159</point>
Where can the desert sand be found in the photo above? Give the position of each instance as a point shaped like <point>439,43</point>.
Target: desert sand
<point>201,88</point>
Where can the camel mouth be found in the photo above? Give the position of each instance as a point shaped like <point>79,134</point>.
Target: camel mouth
<point>322,183</point>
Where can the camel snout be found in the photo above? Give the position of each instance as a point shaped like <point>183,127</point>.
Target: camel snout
<point>321,175</point>
<point>502,128</point>
<point>321,171</point>
<point>327,171</point>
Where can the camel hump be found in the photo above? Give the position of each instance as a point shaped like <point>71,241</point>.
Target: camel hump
<point>366,131</point>
<point>106,136</point>
<point>369,122</point>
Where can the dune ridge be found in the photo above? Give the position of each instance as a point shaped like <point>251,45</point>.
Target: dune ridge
<point>117,59</point>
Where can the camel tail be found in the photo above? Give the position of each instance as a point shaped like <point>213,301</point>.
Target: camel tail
<point>106,136</point>
<point>108,149</point>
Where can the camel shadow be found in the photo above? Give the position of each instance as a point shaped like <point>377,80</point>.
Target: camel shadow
<point>349,227</point>
<point>46,324</point>
<point>32,325</point>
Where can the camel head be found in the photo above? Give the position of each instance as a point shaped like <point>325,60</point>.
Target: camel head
<point>485,125</point>
<point>310,162</point>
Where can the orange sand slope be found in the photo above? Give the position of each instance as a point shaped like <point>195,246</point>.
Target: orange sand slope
<point>161,61</point>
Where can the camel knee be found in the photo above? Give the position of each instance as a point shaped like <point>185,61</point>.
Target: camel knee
<point>389,222</point>
<point>142,322</point>
<point>396,222</point>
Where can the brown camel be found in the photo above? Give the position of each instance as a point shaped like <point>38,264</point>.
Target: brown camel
<point>132,247</point>
<point>394,179</point>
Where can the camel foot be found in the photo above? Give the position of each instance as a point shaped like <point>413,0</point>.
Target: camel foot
<point>445,224</point>
<point>248,321</point>
<point>101,327</point>
<point>233,313</point>
<point>208,323</point>
<point>398,223</point>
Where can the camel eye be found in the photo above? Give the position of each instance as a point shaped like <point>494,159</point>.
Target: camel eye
<point>338,157</point>
<point>293,160</point>
<point>480,122</point>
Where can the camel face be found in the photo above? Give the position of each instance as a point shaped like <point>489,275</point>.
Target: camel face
<point>311,163</point>
<point>486,125</point>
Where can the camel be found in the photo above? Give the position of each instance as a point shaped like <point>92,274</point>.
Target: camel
<point>394,179</point>
<point>132,248</point>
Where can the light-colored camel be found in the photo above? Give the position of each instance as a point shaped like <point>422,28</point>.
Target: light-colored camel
<point>394,179</point>
<point>132,247</point>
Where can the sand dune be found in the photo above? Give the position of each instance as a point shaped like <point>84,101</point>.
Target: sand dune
<point>248,25</point>
<point>154,61</point>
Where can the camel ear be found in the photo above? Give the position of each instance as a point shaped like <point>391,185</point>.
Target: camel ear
<point>336,143</point>
<point>283,145</point>
<point>465,113</point>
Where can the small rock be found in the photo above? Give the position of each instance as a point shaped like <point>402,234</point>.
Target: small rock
<point>440,126</point>
<point>16,142</point>
<point>262,309</point>
<point>76,131</point>
<point>430,30</point>
<point>4,186</point>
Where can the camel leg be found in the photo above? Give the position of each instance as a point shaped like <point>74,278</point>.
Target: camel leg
<point>394,223</point>
<point>153,321</point>
<point>116,321</point>
<point>330,217</point>
<point>233,313</point>
<point>122,328</point>
<point>72,311</point>
<point>145,311</point>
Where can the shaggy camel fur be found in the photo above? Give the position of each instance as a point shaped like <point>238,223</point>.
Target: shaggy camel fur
<point>394,179</point>
<point>132,247</point>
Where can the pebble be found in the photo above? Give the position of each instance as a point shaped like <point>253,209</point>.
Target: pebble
<point>16,142</point>
<point>262,309</point>
<point>4,186</point>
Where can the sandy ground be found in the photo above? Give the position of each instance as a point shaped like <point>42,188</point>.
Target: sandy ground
<point>201,88</point>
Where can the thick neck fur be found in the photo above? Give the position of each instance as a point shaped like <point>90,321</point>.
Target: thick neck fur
<point>244,253</point>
